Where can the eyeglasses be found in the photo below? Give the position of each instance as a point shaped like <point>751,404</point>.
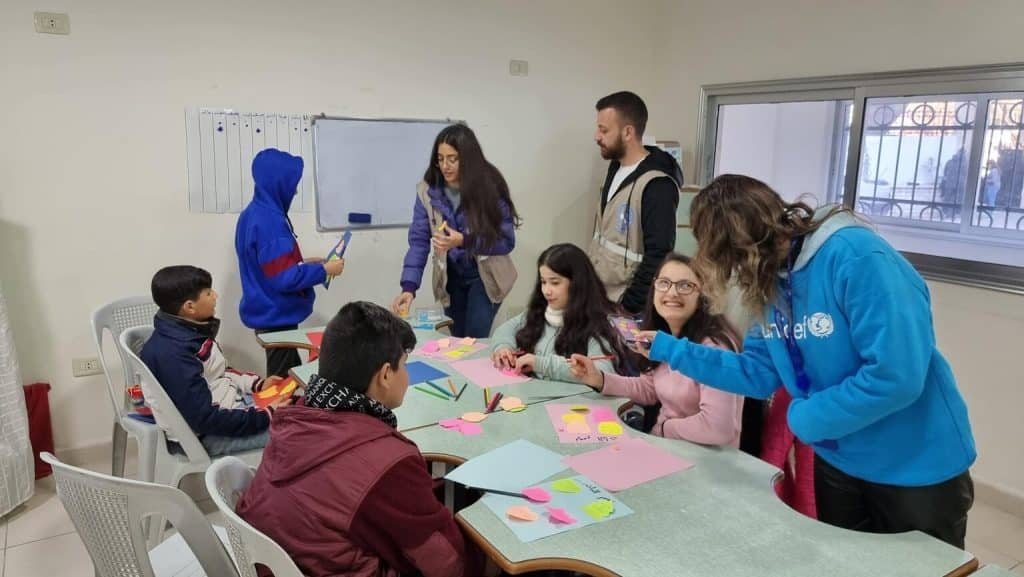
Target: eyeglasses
<point>683,287</point>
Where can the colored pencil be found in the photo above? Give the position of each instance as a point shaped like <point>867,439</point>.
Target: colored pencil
<point>497,492</point>
<point>487,396</point>
<point>440,389</point>
<point>452,387</point>
<point>462,390</point>
<point>432,393</point>
<point>494,402</point>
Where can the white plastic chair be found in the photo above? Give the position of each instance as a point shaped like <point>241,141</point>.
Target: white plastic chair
<point>170,468</point>
<point>226,480</point>
<point>108,513</point>
<point>115,318</point>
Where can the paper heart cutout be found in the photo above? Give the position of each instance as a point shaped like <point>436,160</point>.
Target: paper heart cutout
<point>566,486</point>
<point>599,509</point>
<point>560,515</point>
<point>522,513</point>
<point>603,414</point>
<point>470,429</point>
<point>509,372</point>
<point>577,428</point>
<point>574,418</point>
<point>451,423</point>
<point>431,347</point>
<point>609,428</point>
<point>510,403</point>
<point>474,417</point>
<point>537,494</point>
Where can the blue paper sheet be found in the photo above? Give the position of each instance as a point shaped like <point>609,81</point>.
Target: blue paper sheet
<point>573,503</point>
<point>420,372</point>
<point>511,467</point>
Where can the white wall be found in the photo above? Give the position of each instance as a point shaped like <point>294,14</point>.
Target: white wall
<point>92,171</point>
<point>742,40</point>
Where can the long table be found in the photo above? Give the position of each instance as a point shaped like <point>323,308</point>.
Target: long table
<point>720,517</point>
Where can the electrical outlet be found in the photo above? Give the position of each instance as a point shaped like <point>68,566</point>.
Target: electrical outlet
<point>86,367</point>
<point>518,67</point>
<point>52,23</point>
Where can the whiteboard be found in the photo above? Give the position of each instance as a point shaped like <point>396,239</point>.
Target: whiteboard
<point>369,167</point>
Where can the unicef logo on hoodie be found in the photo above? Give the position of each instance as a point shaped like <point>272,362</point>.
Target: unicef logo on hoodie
<point>820,325</point>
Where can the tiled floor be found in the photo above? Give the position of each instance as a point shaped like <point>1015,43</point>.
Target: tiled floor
<point>40,541</point>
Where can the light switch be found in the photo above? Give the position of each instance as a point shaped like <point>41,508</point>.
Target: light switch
<point>52,23</point>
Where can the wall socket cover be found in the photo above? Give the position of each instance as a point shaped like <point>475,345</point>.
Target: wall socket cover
<point>52,23</point>
<point>84,367</point>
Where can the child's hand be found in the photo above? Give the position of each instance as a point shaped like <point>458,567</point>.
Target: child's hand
<point>643,343</point>
<point>524,364</point>
<point>277,404</point>
<point>447,242</point>
<point>334,267</point>
<point>583,369</point>
<point>313,260</point>
<point>400,306</point>
<point>503,359</point>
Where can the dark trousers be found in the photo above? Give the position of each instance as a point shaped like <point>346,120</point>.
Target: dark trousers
<point>939,510</point>
<point>471,310</point>
<point>280,361</point>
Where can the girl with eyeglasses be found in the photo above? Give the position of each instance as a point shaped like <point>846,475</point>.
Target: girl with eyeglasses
<point>845,324</point>
<point>465,217</point>
<point>689,410</point>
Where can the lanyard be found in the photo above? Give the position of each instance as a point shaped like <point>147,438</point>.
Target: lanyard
<point>803,382</point>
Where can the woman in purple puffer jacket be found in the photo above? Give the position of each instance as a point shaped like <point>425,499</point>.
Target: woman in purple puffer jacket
<point>464,213</point>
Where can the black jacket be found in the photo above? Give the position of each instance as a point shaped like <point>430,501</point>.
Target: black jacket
<point>657,219</point>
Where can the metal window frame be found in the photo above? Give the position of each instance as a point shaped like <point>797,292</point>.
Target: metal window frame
<point>975,80</point>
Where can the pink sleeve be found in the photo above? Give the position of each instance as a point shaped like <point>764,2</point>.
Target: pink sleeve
<point>638,389</point>
<point>716,423</point>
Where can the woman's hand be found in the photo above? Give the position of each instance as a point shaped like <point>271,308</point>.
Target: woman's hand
<point>584,370</point>
<point>453,239</point>
<point>503,358</point>
<point>402,303</point>
<point>643,343</point>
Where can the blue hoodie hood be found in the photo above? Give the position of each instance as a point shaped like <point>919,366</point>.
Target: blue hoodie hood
<point>276,174</point>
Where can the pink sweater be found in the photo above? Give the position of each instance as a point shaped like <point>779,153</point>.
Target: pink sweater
<point>689,410</point>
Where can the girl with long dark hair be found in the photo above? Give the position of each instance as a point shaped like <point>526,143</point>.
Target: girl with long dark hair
<point>689,410</point>
<point>464,213</point>
<point>567,314</point>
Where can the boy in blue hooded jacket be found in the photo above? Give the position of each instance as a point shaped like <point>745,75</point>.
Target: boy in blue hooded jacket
<point>845,325</point>
<point>277,283</point>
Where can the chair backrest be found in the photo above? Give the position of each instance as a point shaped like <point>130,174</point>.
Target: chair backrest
<point>108,513</point>
<point>115,318</point>
<point>166,414</point>
<point>226,480</point>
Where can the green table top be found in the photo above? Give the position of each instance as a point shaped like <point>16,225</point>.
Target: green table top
<point>419,410</point>
<point>720,517</point>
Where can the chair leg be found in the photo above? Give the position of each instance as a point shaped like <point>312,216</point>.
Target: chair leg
<point>120,445</point>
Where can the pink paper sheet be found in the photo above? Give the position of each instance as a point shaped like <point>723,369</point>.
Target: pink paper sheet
<point>432,350</point>
<point>481,372</point>
<point>626,463</point>
<point>582,433</point>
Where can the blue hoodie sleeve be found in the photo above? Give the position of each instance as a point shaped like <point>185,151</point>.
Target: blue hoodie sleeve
<point>182,378</point>
<point>891,328</point>
<point>750,373</point>
<point>281,262</point>
<point>419,249</point>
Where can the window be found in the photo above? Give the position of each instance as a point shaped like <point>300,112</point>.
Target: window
<point>934,159</point>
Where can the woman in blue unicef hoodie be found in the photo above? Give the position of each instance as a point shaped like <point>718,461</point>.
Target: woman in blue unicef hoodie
<point>277,283</point>
<point>846,327</point>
